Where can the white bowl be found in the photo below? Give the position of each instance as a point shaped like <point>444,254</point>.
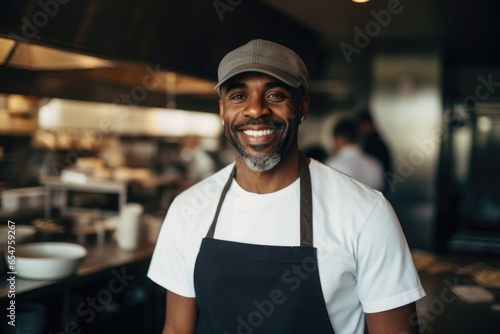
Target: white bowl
<point>48,260</point>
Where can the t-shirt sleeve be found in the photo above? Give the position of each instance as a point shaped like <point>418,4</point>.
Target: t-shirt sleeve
<point>386,274</point>
<point>169,266</point>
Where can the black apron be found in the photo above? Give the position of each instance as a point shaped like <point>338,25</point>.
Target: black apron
<point>245,288</point>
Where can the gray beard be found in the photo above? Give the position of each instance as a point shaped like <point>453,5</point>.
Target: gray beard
<point>263,164</point>
<point>269,161</point>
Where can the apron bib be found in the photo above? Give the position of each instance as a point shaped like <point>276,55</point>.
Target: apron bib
<point>246,288</point>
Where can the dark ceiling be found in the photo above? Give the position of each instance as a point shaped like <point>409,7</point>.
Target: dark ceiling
<point>465,34</point>
<point>468,31</point>
<point>190,37</point>
<point>187,37</point>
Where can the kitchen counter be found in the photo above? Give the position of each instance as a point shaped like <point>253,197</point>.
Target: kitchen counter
<point>441,310</point>
<point>109,293</point>
<point>99,258</point>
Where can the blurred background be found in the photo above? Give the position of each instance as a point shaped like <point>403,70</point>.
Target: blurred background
<point>120,93</point>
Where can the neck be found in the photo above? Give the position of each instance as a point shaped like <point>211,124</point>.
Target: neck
<point>281,176</point>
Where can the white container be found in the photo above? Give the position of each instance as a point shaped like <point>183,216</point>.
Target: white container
<point>127,229</point>
<point>48,260</point>
<point>23,198</point>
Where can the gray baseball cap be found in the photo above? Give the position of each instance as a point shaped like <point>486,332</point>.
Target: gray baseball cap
<point>265,57</point>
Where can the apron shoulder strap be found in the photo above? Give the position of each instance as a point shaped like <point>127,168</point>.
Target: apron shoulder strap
<point>306,217</point>
<point>211,230</point>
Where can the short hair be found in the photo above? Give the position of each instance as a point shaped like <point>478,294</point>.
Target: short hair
<point>347,130</point>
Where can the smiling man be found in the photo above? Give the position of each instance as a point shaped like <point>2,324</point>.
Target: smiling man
<point>276,242</point>
<point>261,139</point>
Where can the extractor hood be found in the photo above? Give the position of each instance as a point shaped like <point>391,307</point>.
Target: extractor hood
<point>35,57</point>
<point>144,41</point>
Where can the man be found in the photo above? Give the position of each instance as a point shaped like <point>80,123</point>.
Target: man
<point>276,242</point>
<point>350,159</point>
<point>371,141</point>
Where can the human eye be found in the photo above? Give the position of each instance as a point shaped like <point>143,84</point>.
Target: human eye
<point>277,96</point>
<point>236,96</point>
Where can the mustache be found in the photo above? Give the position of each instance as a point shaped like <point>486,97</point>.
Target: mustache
<point>274,123</point>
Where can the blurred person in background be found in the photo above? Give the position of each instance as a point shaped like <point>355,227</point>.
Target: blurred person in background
<point>199,164</point>
<point>371,141</point>
<point>349,158</point>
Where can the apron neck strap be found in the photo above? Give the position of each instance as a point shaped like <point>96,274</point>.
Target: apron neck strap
<point>306,226</point>
<point>211,231</point>
<point>306,217</point>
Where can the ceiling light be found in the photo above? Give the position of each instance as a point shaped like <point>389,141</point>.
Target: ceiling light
<point>360,1</point>
<point>484,124</point>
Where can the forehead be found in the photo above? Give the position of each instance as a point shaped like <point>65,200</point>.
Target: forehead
<point>253,78</point>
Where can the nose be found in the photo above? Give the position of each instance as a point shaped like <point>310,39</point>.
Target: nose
<point>256,107</point>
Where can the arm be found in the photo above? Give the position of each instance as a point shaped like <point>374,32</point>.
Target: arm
<point>401,320</point>
<point>387,275</point>
<point>180,315</point>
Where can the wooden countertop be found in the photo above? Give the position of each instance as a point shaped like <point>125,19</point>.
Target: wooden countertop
<point>442,311</point>
<point>99,258</point>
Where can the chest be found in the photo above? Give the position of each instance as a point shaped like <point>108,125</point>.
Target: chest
<point>272,219</point>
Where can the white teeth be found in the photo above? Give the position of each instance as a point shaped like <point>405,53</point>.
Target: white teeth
<point>258,133</point>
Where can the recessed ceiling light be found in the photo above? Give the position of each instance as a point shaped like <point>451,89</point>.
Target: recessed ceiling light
<point>360,1</point>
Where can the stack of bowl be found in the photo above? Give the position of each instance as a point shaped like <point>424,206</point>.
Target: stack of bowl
<point>30,319</point>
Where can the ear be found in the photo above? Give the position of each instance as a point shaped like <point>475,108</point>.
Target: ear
<point>304,107</point>
<point>221,109</point>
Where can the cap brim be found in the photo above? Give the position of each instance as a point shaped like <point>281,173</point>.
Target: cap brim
<point>260,68</point>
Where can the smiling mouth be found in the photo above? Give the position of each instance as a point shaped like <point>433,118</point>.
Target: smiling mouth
<point>258,133</point>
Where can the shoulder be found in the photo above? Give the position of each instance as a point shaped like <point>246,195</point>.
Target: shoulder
<point>330,183</point>
<point>340,201</point>
<point>332,160</point>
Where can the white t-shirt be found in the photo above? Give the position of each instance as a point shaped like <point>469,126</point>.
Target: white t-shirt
<point>351,160</point>
<point>364,261</point>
